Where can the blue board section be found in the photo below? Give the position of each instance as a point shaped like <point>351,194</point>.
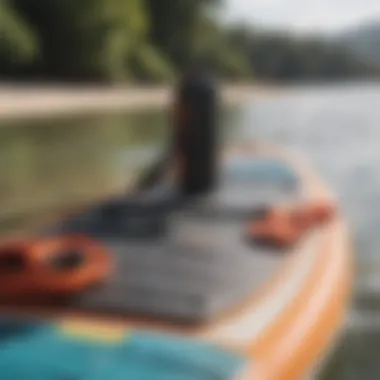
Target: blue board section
<point>42,352</point>
<point>257,169</point>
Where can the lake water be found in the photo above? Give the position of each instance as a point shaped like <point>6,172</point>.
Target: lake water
<point>51,165</point>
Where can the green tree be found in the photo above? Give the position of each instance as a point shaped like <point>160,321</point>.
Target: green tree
<point>174,26</point>
<point>87,38</point>
<point>18,43</point>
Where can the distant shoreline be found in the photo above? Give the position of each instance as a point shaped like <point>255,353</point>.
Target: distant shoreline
<point>36,101</point>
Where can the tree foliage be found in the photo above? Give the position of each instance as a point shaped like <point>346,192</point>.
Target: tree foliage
<point>151,40</point>
<point>18,43</point>
<point>85,39</point>
<point>282,57</point>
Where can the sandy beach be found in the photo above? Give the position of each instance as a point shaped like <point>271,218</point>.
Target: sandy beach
<point>26,101</point>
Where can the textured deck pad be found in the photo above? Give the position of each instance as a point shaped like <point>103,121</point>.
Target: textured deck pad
<point>182,260</point>
<point>38,351</point>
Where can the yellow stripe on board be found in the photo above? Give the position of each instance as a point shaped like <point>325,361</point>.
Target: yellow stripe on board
<point>94,332</point>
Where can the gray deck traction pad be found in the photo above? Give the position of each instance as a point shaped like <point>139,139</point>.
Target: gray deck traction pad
<point>186,261</point>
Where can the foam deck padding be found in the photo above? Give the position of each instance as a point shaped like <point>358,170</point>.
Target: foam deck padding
<point>181,259</point>
<point>42,351</point>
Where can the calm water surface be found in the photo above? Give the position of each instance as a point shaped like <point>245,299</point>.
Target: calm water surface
<point>50,165</point>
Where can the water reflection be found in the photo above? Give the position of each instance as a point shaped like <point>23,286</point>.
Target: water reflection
<point>356,357</point>
<point>50,165</point>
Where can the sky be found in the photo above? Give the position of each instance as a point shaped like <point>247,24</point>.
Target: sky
<point>304,15</point>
